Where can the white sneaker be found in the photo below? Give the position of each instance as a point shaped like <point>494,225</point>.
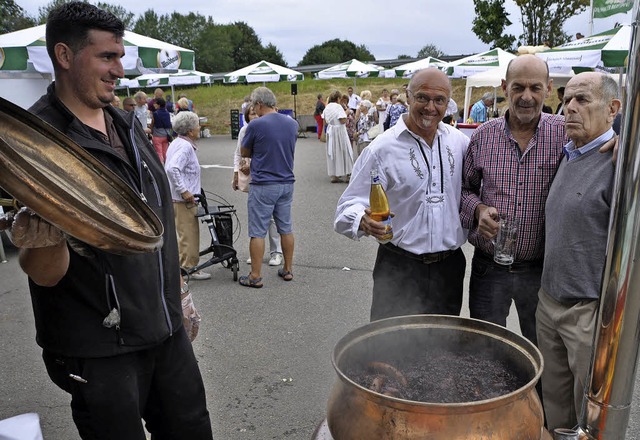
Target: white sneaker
<point>200,275</point>
<point>249,260</point>
<point>276,259</point>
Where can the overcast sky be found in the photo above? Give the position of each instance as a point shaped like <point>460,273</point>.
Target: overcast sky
<point>386,28</point>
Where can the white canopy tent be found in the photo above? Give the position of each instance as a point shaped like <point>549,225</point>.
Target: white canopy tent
<point>262,72</point>
<point>351,69</point>
<point>407,70</point>
<point>481,62</point>
<point>26,50</point>
<point>182,77</point>
<point>26,70</point>
<point>606,49</point>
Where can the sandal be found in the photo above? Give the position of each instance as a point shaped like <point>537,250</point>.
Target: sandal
<point>285,274</point>
<point>246,281</point>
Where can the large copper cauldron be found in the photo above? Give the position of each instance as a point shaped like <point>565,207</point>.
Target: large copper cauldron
<point>355,412</point>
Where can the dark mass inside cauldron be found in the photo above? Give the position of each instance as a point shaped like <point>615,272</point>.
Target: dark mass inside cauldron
<point>440,376</point>
<point>438,363</point>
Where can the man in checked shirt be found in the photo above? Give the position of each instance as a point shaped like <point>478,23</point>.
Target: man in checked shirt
<point>508,169</point>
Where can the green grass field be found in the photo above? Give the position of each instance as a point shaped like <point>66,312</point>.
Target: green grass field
<point>216,101</point>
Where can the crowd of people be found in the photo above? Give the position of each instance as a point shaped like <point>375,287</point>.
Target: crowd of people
<point>546,170</point>
<point>349,122</point>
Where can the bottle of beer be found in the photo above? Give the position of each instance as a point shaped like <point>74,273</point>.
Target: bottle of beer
<point>380,206</point>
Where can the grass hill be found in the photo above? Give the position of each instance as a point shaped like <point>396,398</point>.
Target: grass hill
<point>216,101</point>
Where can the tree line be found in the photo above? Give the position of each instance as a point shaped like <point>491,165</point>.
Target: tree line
<point>227,47</point>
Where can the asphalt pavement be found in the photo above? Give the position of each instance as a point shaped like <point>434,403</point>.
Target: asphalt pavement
<point>265,354</point>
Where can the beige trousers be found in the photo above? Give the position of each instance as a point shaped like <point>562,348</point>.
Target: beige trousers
<point>565,339</point>
<point>188,232</point>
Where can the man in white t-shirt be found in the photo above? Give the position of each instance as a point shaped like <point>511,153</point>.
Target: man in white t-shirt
<point>354,100</point>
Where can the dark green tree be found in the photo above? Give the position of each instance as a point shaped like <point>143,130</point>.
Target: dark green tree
<point>13,17</point>
<point>43,11</point>
<point>214,49</point>
<point>128,18</point>
<point>430,50</point>
<point>490,23</point>
<point>148,24</point>
<point>273,55</point>
<point>403,57</point>
<point>336,51</point>
<point>247,45</point>
<point>182,30</point>
<point>542,20</point>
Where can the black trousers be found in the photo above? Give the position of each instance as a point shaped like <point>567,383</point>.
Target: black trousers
<point>404,284</point>
<point>160,385</point>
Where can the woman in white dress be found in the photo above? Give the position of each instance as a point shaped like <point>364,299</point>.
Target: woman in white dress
<point>339,151</point>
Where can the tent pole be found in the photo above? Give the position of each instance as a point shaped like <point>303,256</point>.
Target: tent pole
<point>591,17</point>
<point>467,101</point>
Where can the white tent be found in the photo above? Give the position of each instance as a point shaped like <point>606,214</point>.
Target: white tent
<point>26,70</point>
<point>606,49</point>
<point>26,50</point>
<point>473,64</point>
<point>493,78</point>
<point>407,70</point>
<point>264,72</point>
<point>182,77</point>
<point>351,69</point>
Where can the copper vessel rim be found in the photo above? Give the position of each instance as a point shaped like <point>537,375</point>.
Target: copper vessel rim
<point>527,349</point>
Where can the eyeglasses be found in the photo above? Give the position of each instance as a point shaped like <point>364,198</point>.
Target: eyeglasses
<point>438,101</point>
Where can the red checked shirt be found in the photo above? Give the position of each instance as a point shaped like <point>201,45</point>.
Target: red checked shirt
<point>496,173</point>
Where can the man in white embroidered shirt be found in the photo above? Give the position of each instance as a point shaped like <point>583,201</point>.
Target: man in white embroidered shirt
<point>419,161</point>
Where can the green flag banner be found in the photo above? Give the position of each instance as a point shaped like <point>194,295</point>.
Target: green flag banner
<point>606,8</point>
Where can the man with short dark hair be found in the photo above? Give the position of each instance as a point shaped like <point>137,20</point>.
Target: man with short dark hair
<point>577,222</point>
<point>110,326</point>
<point>270,142</point>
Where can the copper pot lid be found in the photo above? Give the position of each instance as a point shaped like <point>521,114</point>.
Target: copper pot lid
<point>64,184</point>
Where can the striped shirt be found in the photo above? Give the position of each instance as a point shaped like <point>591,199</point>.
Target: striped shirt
<point>496,173</point>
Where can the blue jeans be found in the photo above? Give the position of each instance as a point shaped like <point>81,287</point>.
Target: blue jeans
<point>492,288</point>
<point>267,201</point>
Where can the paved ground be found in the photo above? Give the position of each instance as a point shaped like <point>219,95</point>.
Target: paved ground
<point>265,354</point>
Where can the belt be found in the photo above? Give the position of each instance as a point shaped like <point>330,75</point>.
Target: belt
<point>435,257</point>
<point>515,266</point>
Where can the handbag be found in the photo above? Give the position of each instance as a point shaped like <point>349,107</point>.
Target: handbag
<point>387,121</point>
<point>374,131</point>
<point>244,179</point>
